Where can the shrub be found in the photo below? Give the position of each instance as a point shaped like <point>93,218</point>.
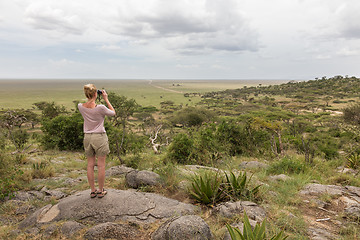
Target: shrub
<point>20,138</point>
<point>352,114</point>
<point>133,161</point>
<point>169,175</point>
<point>287,165</point>
<point>233,135</point>
<point>2,140</point>
<point>258,233</point>
<point>9,175</point>
<point>42,170</point>
<point>181,148</point>
<point>330,151</point>
<point>206,188</point>
<point>191,117</point>
<point>63,132</point>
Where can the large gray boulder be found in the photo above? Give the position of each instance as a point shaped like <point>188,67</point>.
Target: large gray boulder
<point>137,179</point>
<point>116,205</point>
<point>186,227</point>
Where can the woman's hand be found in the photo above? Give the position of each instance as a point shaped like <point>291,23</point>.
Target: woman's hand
<point>104,95</point>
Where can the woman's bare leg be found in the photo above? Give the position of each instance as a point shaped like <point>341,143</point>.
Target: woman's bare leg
<point>101,172</point>
<point>90,172</point>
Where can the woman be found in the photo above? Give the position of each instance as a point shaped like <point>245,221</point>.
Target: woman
<point>95,138</point>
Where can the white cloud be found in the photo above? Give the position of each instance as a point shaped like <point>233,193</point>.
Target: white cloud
<point>61,62</point>
<point>183,26</point>
<point>188,26</point>
<point>162,38</point>
<point>110,48</point>
<point>322,57</point>
<point>48,17</point>
<point>346,52</point>
<point>347,19</point>
<point>187,66</point>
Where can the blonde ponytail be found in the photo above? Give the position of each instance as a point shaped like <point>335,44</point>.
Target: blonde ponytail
<point>89,90</point>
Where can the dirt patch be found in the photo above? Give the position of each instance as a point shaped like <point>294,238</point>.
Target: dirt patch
<point>325,215</point>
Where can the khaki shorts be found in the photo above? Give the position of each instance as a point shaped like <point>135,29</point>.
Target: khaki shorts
<point>96,144</point>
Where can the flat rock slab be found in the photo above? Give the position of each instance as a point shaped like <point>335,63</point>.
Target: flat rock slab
<point>125,205</point>
<point>318,189</point>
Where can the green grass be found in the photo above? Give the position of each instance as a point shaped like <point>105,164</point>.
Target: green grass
<point>23,93</point>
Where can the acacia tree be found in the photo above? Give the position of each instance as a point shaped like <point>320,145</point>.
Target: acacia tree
<point>124,108</point>
<point>274,128</point>
<point>9,120</point>
<point>50,109</point>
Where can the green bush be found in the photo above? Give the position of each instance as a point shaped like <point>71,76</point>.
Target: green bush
<point>20,138</point>
<point>2,140</point>
<point>287,165</point>
<point>63,132</point>
<point>9,175</point>
<point>191,117</point>
<point>233,135</point>
<point>330,151</point>
<point>180,148</point>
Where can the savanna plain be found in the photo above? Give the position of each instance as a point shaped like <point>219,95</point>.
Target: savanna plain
<point>282,145</point>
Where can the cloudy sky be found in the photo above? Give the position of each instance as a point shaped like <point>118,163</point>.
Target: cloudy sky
<point>179,39</point>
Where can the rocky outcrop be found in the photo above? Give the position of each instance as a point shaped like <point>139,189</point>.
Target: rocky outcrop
<point>186,227</point>
<point>116,205</point>
<point>344,200</point>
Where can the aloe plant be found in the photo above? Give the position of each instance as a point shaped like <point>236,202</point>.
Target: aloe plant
<point>258,233</point>
<point>238,187</point>
<point>353,160</point>
<point>206,188</point>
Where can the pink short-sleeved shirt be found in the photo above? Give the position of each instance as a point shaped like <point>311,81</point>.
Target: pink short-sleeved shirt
<point>94,118</point>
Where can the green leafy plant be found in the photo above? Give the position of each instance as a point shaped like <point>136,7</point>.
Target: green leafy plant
<point>181,148</point>
<point>353,160</point>
<point>206,188</point>
<point>20,138</point>
<point>63,132</point>
<point>42,170</point>
<point>9,175</point>
<point>249,234</point>
<point>287,165</point>
<point>238,186</point>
